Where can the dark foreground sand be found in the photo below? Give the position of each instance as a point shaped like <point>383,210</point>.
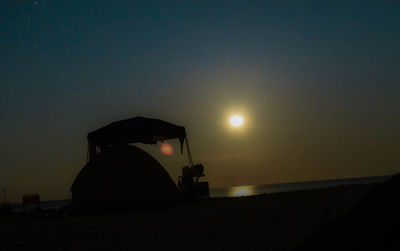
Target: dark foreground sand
<point>266,222</point>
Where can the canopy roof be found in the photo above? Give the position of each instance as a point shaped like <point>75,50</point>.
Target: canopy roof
<point>136,130</point>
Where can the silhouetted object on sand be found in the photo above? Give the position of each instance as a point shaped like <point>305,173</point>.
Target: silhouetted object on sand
<point>5,206</point>
<point>189,184</point>
<point>120,176</point>
<point>31,201</point>
<point>373,224</point>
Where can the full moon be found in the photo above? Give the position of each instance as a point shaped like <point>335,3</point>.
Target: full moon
<point>236,121</point>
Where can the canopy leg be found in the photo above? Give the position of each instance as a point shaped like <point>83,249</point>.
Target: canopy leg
<point>188,152</point>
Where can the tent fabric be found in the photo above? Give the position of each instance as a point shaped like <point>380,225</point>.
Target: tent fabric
<point>136,130</point>
<point>122,176</point>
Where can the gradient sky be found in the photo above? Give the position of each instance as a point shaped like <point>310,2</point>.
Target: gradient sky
<point>317,81</point>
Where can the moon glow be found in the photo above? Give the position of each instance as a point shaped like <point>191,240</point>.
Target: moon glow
<point>236,121</point>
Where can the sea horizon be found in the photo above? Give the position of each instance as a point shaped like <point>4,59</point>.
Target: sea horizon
<point>249,190</point>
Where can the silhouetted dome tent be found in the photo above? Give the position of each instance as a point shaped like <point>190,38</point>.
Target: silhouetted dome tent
<point>118,175</point>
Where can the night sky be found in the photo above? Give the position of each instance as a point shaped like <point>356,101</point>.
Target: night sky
<point>317,83</point>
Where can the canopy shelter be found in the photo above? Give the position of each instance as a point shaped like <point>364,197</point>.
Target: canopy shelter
<point>135,130</point>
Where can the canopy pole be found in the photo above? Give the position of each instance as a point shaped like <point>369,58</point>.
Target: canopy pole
<point>188,152</point>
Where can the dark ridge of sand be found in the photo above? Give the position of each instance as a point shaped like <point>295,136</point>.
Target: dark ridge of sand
<point>279,221</point>
<point>373,224</point>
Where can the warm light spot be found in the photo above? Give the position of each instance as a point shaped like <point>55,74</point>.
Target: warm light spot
<point>236,121</point>
<point>238,191</point>
<point>166,149</point>
<point>241,191</point>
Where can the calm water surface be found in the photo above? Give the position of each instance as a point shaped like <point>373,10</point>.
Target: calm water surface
<point>238,191</point>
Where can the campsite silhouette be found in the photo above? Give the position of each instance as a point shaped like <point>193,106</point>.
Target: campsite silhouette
<point>119,176</point>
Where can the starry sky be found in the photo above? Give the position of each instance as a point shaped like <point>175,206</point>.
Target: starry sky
<point>316,81</point>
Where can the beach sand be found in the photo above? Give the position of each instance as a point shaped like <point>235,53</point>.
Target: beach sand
<point>278,221</point>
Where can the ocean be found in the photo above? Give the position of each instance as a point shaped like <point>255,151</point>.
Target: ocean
<point>237,191</point>
<point>249,190</point>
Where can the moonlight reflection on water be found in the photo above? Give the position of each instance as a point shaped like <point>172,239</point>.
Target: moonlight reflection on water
<point>242,191</point>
